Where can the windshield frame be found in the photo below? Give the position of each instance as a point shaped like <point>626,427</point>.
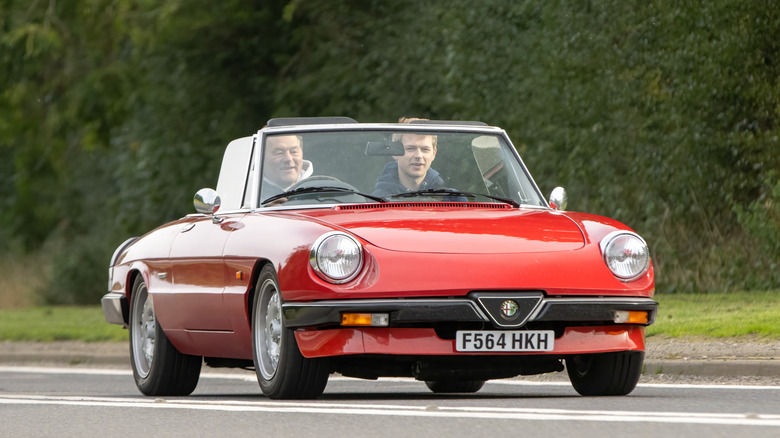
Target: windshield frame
<point>258,154</point>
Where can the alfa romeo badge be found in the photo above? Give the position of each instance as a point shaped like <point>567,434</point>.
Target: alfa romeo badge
<point>509,309</point>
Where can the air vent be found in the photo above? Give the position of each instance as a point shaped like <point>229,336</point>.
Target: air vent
<point>485,205</point>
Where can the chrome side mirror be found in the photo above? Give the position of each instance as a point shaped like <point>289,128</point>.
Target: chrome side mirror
<point>207,201</point>
<point>558,199</point>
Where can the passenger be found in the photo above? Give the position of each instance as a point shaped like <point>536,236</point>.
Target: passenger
<point>284,164</point>
<point>411,171</point>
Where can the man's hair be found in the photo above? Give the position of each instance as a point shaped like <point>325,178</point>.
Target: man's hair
<point>397,137</point>
<point>275,136</point>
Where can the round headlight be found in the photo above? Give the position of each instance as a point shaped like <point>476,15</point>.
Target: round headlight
<point>626,254</point>
<point>336,257</point>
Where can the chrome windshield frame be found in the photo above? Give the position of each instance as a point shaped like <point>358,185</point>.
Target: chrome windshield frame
<point>260,137</point>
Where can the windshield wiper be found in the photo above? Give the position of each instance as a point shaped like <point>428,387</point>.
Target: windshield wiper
<point>453,192</point>
<point>320,189</point>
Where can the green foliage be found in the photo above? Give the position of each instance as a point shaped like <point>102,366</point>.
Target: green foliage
<point>115,114</point>
<point>660,114</point>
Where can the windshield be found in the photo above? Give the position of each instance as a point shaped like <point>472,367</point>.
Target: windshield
<point>327,167</point>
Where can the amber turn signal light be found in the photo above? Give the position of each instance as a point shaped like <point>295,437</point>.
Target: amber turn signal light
<point>365,319</point>
<point>630,317</point>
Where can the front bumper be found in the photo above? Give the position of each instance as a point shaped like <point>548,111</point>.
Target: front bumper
<point>425,342</point>
<point>115,308</point>
<point>424,327</point>
<point>477,307</point>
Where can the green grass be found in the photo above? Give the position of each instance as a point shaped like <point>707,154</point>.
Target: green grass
<point>718,315</point>
<point>58,323</point>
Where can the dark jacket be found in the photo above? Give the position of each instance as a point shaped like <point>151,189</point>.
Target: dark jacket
<point>390,184</point>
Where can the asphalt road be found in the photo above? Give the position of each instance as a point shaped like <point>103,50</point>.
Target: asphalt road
<point>92,402</point>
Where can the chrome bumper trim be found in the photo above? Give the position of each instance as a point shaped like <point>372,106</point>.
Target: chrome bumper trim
<point>115,308</point>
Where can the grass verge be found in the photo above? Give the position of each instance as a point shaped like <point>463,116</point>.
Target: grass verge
<point>719,315</point>
<point>58,323</point>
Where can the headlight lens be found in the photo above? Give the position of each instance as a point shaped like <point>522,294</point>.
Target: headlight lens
<point>336,257</point>
<point>626,254</point>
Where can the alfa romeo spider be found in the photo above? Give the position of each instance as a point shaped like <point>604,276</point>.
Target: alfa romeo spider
<point>420,249</point>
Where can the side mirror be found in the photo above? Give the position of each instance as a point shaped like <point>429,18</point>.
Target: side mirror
<point>207,201</point>
<point>558,199</point>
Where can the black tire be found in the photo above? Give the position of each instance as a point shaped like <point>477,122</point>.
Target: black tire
<point>605,373</point>
<point>453,386</point>
<point>282,372</point>
<point>158,367</point>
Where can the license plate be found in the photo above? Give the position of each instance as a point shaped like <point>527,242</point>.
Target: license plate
<point>499,341</point>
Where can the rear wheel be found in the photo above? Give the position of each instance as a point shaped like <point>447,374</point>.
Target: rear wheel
<point>605,373</point>
<point>282,371</point>
<point>453,386</point>
<point>158,367</point>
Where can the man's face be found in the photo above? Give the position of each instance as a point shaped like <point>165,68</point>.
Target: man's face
<point>419,153</point>
<point>283,160</point>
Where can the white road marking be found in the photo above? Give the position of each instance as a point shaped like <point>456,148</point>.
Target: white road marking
<point>250,377</point>
<point>475,412</point>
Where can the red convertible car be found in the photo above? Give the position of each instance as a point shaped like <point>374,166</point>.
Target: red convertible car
<point>420,249</point>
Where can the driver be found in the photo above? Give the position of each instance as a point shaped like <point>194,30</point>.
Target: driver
<point>284,164</point>
<point>411,171</point>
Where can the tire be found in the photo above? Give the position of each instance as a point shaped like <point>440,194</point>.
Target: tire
<point>453,386</point>
<point>282,372</point>
<point>605,373</point>
<point>158,367</point>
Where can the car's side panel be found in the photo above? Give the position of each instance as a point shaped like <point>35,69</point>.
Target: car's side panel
<point>195,301</point>
<point>282,239</point>
<point>149,256</point>
<point>423,341</point>
<point>237,288</point>
<point>252,240</point>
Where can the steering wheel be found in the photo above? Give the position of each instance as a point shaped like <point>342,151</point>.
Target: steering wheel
<point>321,181</point>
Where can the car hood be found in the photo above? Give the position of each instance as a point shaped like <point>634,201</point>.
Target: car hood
<point>475,231</point>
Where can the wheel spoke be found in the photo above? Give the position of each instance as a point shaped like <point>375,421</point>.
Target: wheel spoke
<point>148,331</point>
<point>144,326</point>
<point>269,335</point>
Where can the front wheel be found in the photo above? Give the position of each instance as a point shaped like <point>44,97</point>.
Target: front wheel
<point>282,372</point>
<point>158,367</point>
<point>605,373</point>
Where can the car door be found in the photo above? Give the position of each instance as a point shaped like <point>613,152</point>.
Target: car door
<point>198,269</point>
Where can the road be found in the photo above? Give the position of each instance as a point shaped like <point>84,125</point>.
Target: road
<point>92,402</point>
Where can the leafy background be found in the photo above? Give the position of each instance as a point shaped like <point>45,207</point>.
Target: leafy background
<point>661,114</point>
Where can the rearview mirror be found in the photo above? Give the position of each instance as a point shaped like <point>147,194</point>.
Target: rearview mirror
<point>387,148</point>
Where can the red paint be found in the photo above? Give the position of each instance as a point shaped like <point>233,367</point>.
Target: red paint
<point>409,252</point>
<point>423,341</point>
